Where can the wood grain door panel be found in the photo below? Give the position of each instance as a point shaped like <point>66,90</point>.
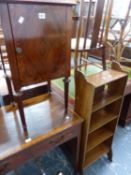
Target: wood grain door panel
<point>42,43</point>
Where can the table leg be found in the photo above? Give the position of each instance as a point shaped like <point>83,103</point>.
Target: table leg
<point>18,98</point>
<point>49,86</point>
<point>110,155</point>
<point>66,91</point>
<point>103,58</point>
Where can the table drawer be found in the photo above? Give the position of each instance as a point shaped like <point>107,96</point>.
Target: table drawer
<point>38,149</point>
<point>54,141</point>
<point>15,161</point>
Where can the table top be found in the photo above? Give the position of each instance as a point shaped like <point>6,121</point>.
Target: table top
<point>45,118</point>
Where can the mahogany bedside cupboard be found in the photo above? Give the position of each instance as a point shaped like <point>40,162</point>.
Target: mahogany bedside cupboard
<point>37,35</point>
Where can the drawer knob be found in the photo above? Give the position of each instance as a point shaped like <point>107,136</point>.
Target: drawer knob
<point>18,50</point>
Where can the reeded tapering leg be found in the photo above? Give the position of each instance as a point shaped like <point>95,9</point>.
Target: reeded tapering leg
<point>81,172</point>
<point>18,99</point>
<point>110,155</point>
<point>86,56</point>
<point>49,86</point>
<point>66,89</point>
<point>10,90</point>
<point>80,64</point>
<point>103,58</point>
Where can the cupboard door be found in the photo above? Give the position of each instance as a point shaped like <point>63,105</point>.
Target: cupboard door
<point>42,41</point>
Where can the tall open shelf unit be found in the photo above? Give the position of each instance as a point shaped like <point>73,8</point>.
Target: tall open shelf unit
<point>98,100</point>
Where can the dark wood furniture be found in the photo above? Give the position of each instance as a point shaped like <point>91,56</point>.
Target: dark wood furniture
<point>47,128</point>
<point>88,41</point>
<point>76,16</point>
<point>125,116</point>
<point>99,104</point>
<point>38,43</point>
<point>4,65</point>
<point>6,90</point>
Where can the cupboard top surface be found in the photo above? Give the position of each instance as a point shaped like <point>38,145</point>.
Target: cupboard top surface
<point>104,77</point>
<point>66,2</point>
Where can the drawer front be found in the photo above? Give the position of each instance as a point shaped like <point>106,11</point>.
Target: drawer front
<point>14,161</point>
<point>3,166</point>
<point>54,141</point>
<point>38,149</point>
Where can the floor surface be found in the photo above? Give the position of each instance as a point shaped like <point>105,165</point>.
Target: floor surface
<point>55,160</point>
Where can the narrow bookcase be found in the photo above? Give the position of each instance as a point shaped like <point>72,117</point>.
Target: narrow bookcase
<point>98,100</point>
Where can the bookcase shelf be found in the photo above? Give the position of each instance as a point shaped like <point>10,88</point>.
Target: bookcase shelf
<point>104,100</point>
<point>98,137</point>
<point>95,154</point>
<point>98,100</point>
<point>104,115</point>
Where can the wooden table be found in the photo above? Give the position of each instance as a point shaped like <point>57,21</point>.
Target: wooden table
<point>47,128</point>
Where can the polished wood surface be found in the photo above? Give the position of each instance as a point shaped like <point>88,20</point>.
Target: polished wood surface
<point>98,101</point>
<point>109,75</point>
<point>97,23</point>
<point>125,115</point>
<point>42,52</point>
<point>38,43</point>
<point>47,128</point>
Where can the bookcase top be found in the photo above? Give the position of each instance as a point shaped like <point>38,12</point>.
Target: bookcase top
<point>104,77</point>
